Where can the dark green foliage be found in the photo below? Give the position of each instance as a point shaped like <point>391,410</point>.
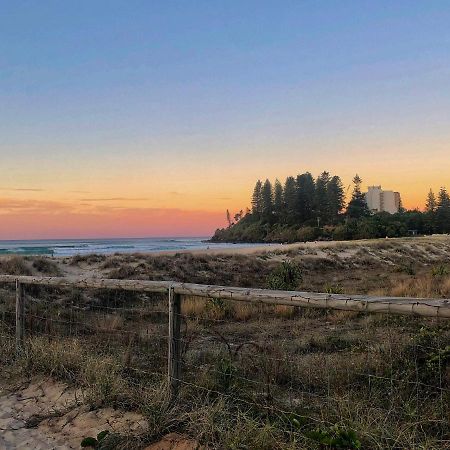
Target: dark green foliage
<point>307,210</point>
<point>357,206</point>
<point>336,198</point>
<point>286,276</point>
<point>430,205</point>
<point>321,200</point>
<point>257,199</point>
<point>278,198</point>
<point>290,198</point>
<point>335,438</point>
<point>102,435</point>
<point>442,214</point>
<point>93,442</point>
<point>267,200</point>
<point>89,442</point>
<point>305,196</point>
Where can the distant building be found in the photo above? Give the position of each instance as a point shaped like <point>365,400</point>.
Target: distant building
<point>382,201</point>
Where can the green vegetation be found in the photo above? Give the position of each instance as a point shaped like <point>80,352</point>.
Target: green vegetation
<point>94,442</point>
<point>286,276</point>
<point>308,209</point>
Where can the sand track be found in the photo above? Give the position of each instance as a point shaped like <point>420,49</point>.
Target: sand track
<point>45,414</point>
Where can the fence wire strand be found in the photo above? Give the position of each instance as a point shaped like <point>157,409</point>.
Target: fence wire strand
<point>323,366</point>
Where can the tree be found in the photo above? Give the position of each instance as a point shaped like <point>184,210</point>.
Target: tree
<point>357,206</point>
<point>238,216</point>
<point>430,212</point>
<point>278,198</point>
<point>267,199</point>
<point>305,196</point>
<point>322,206</point>
<point>290,197</point>
<point>336,196</point>
<point>257,199</point>
<point>443,212</point>
<point>430,205</point>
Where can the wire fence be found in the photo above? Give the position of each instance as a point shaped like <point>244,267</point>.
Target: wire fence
<point>308,376</point>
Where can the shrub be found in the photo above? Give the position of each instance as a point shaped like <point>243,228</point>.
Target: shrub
<point>407,268</point>
<point>47,267</point>
<point>439,271</point>
<point>307,234</point>
<point>286,276</point>
<point>333,289</point>
<point>335,438</point>
<point>15,265</point>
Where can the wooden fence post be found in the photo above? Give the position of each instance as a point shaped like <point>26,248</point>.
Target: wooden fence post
<point>174,355</point>
<point>20,318</point>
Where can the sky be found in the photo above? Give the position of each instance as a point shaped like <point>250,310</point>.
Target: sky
<point>151,118</point>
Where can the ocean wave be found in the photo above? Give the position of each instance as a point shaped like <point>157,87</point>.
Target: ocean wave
<point>112,247</point>
<point>105,246</point>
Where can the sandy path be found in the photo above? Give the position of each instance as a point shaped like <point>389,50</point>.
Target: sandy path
<point>44,414</point>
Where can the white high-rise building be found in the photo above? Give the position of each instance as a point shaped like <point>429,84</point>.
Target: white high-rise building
<point>382,201</point>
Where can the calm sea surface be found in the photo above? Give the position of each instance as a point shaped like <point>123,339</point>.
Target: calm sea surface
<point>66,247</point>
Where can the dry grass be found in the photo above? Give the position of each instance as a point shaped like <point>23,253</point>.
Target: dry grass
<point>258,377</point>
<point>14,265</point>
<point>425,286</point>
<point>318,364</point>
<point>108,323</point>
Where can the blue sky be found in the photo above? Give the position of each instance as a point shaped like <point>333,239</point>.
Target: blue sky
<point>99,94</point>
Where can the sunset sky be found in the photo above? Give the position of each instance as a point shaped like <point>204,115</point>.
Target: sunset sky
<point>151,118</point>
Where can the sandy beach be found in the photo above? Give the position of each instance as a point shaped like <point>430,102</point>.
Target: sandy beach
<point>284,248</point>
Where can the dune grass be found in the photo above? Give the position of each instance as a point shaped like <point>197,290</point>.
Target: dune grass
<point>254,376</point>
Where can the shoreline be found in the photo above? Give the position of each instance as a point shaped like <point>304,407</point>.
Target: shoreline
<point>251,249</point>
<point>264,248</point>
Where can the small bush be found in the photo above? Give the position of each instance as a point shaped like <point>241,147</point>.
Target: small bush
<point>407,268</point>
<point>335,438</point>
<point>47,267</point>
<point>440,271</point>
<point>333,289</point>
<point>287,277</point>
<point>15,265</point>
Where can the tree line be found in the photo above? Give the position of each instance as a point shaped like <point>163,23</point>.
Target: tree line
<point>307,208</point>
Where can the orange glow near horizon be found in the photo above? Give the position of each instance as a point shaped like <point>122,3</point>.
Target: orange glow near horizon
<point>161,207</point>
<point>131,194</point>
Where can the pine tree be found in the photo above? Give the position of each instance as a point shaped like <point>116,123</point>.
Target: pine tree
<point>290,197</point>
<point>321,199</point>
<point>305,196</point>
<point>430,212</point>
<point>357,206</point>
<point>443,212</point>
<point>278,198</point>
<point>267,199</point>
<point>335,191</point>
<point>257,199</point>
<point>430,205</point>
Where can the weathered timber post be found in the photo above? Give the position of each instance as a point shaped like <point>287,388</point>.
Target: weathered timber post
<point>174,358</point>
<point>20,319</point>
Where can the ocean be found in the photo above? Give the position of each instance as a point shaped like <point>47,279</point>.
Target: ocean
<point>70,247</point>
